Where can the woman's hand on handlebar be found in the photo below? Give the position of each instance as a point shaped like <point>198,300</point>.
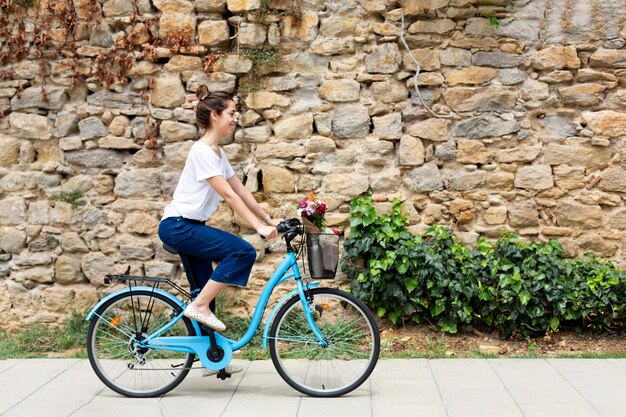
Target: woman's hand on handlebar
<point>275,222</point>
<point>268,232</point>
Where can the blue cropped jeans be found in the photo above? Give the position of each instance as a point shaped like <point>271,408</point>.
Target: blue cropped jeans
<point>204,245</point>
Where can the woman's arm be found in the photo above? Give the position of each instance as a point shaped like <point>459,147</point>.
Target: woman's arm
<point>225,190</point>
<point>248,199</point>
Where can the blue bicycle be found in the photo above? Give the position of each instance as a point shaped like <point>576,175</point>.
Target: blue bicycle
<point>323,342</point>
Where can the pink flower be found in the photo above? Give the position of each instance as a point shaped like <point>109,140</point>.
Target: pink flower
<point>302,204</point>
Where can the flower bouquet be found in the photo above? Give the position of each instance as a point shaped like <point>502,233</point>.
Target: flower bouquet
<point>322,243</point>
<point>313,211</point>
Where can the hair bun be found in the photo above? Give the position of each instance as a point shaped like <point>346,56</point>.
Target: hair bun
<point>202,92</point>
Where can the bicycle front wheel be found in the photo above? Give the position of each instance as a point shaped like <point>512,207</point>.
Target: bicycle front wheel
<point>114,351</point>
<point>353,344</point>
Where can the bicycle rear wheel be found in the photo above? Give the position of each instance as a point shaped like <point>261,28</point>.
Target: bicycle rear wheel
<point>351,354</point>
<point>112,344</point>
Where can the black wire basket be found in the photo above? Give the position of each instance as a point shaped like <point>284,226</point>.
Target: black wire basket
<point>322,254</point>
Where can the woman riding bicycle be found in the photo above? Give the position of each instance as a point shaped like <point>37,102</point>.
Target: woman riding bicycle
<point>206,179</point>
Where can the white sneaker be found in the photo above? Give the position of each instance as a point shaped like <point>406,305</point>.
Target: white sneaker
<point>230,369</point>
<point>208,320</point>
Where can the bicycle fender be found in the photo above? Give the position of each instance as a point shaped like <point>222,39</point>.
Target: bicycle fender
<point>125,290</point>
<point>282,301</point>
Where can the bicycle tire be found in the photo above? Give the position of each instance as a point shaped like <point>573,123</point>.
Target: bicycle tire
<point>349,359</point>
<point>119,322</point>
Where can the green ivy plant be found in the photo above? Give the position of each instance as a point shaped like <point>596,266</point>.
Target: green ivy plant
<point>264,60</point>
<point>513,286</point>
<point>490,14</point>
<point>71,197</point>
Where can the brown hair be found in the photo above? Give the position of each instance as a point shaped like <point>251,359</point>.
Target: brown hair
<point>216,101</point>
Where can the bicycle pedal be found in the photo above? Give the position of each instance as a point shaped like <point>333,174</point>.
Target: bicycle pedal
<point>222,375</point>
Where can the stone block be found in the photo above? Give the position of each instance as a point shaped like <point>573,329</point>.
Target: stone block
<point>340,90</point>
<point>279,150</point>
<point>10,151</point>
<point>138,183</point>
<point>95,158</point>
<point>12,240</point>
<point>255,134</point>
<point>210,6</point>
<point>301,28</point>
<point>428,60</point>
<point>67,270</point>
<point>12,211</point>
<point>426,178</point>
<point>556,57</point>
<point>437,130</point>
<point>167,92</point>
<point>388,126</point>
<point>215,81</point>
<point>294,127</point>
<point>33,98</point>
<point>177,132</point>
<point>606,123</point>
<point>213,33</point>
<point>523,214</point>
<point>470,75</point>
<point>467,180</point>
<point>332,46</point>
<point>534,177</point>
<point>117,8</point>
<point>177,23</point>
<point>608,58</point>
<point>571,214</point>
<point>471,152</point>
<point>240,6</point>
<point>385,59</point>
<point>30,126</point>
<point>265,100</point>
<point>180,63</point>
<point>233,64</point>
<point>251,35</point>
<point>181,6</point>
<point>582,94</point>
<point>467,99</point>
<point>95,265</point>
<point>350,121</point>
<point>277,179</point>
<point>485,126</point>
<point>351,185</point>
<point>613,180</point>
<point>389,91</point>
<point>495,215</point>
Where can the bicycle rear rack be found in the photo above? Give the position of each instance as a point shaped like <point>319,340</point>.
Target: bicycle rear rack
<point>132,280</point>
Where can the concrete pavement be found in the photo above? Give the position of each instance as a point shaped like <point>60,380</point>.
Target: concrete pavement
<point>398,388</point>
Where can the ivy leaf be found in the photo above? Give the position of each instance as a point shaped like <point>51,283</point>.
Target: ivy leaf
<point>525,297</point>
<point>554,323</point>
<point>437,308</point>
<point>410,284</point>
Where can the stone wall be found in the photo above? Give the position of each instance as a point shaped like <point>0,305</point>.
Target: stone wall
<point>535,141</point>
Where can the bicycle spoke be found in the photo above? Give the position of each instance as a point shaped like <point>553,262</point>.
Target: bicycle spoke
<point>148,372</point>
<point>337,368</point>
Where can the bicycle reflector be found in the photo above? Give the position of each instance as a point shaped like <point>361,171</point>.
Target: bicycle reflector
<point>115,322</point>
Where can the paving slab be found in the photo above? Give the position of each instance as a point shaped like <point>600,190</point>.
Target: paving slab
<point>397,388</point>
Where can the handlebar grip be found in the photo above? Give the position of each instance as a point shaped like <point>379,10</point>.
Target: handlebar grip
<point>281,227</point>
<point>288,225</point>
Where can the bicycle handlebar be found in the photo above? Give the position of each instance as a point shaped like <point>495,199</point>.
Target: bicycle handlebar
<point>289,225</point>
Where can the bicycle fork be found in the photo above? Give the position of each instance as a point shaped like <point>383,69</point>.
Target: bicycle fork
<point>307,306</point>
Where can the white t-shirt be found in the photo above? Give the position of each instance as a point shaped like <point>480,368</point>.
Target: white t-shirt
<point>194,197</point>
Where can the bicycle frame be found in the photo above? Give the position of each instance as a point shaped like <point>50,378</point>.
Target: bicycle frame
<point>199,345</point>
